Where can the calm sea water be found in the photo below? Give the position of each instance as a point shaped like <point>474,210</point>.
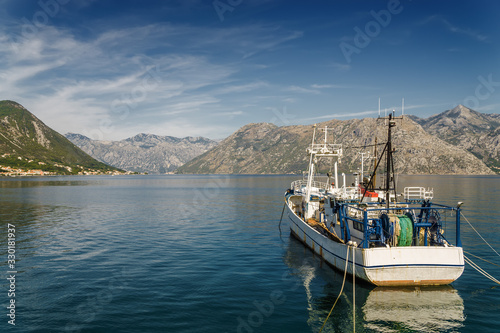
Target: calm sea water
<point>205,254</point>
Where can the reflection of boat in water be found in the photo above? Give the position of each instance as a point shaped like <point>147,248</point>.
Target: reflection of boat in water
<point>321,285</point>
<point>395,240</point>
<point>424,309</point>
<point>382,309</point>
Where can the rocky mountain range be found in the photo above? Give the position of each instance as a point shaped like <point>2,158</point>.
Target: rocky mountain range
<point>475,132</point>
<point>266,148</point>
<point>457,141</point>
<point>144,152</point>
<point>26,143</point>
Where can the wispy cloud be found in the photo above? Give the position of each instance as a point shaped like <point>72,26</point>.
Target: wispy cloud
<point>332,86</point>
<point>101,83</point>
<point>297,89</point>
<point>238,88</point>
<point>488,108</point>
<point>322,86</point>
<point>228,114</point>
<point>455,28</point>
<point>341,115</point>
<point>246,41</point>
<point>342,67</point>
<point>368,113</point>
<point>289,100</point>
<point>172,66</point>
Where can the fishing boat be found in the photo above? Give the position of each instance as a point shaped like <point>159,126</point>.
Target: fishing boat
<point>374,233</point>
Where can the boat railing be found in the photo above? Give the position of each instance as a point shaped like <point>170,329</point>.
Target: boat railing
<point>365,215</point>
<point>298,185</point>
<point>351,192</point>
<point>418,193</point>
<point>325,149</point>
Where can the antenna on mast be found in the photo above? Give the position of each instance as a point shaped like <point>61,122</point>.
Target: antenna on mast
<point>379,107</point>
<point>403,107</point>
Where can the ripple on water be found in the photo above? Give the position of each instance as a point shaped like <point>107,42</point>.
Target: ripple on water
<point>152,254</point>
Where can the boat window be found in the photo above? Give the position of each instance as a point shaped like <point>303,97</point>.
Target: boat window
<point>358,225</point>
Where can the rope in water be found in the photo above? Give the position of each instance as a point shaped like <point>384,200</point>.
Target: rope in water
<point>341,289</point>
<point>473,264</point>
<point>479,234</point>
<point>490,262</point>
<point>281,218</point>
<point>480,270</point>
<point>353,290</point>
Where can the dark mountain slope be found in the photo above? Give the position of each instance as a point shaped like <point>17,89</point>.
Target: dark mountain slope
<point>25,137</point>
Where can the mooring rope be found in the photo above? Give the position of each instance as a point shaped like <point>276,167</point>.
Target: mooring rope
<point>353,290</point>
<point>282,211</point>
<point>473,264</point>
<point>480,270</point>
<point>484,240</point>
<point>341,289</point>
<point>490,262</point>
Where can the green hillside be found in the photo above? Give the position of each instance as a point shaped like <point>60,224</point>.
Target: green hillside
<point>27,142</point>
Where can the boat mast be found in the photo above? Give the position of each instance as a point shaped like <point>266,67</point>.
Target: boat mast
<point>388,150</point>
<point>389,165</point>
<point>311,166</point>
<point>374,176</point>
<point>362,166</point>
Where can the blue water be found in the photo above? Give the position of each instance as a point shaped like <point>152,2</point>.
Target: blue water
<point>205,254</point>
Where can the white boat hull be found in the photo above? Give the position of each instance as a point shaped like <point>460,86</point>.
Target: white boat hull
<point>381,266</point>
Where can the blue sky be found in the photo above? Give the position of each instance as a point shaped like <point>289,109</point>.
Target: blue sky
<point>113,69</point>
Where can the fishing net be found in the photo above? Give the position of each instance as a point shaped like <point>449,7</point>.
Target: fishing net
<point>406,231</point>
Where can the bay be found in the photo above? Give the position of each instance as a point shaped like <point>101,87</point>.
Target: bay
<point>201,253</point>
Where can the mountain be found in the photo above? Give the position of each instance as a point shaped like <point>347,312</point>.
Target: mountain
<point>26,142</point>
<point>475,132</point>
<point>266,148</point>
<point>254,149</point>
<point>144,152</point>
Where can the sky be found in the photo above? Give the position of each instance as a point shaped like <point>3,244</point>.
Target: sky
<point>112,69</point>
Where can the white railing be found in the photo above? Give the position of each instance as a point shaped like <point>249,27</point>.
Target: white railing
<point>351,193</point>
<point>417,193</point>
<point>298,185</point>
<point>346,193</point>
<point>325,149</point>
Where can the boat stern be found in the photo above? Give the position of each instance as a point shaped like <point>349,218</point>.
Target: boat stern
<point>413,266</point>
